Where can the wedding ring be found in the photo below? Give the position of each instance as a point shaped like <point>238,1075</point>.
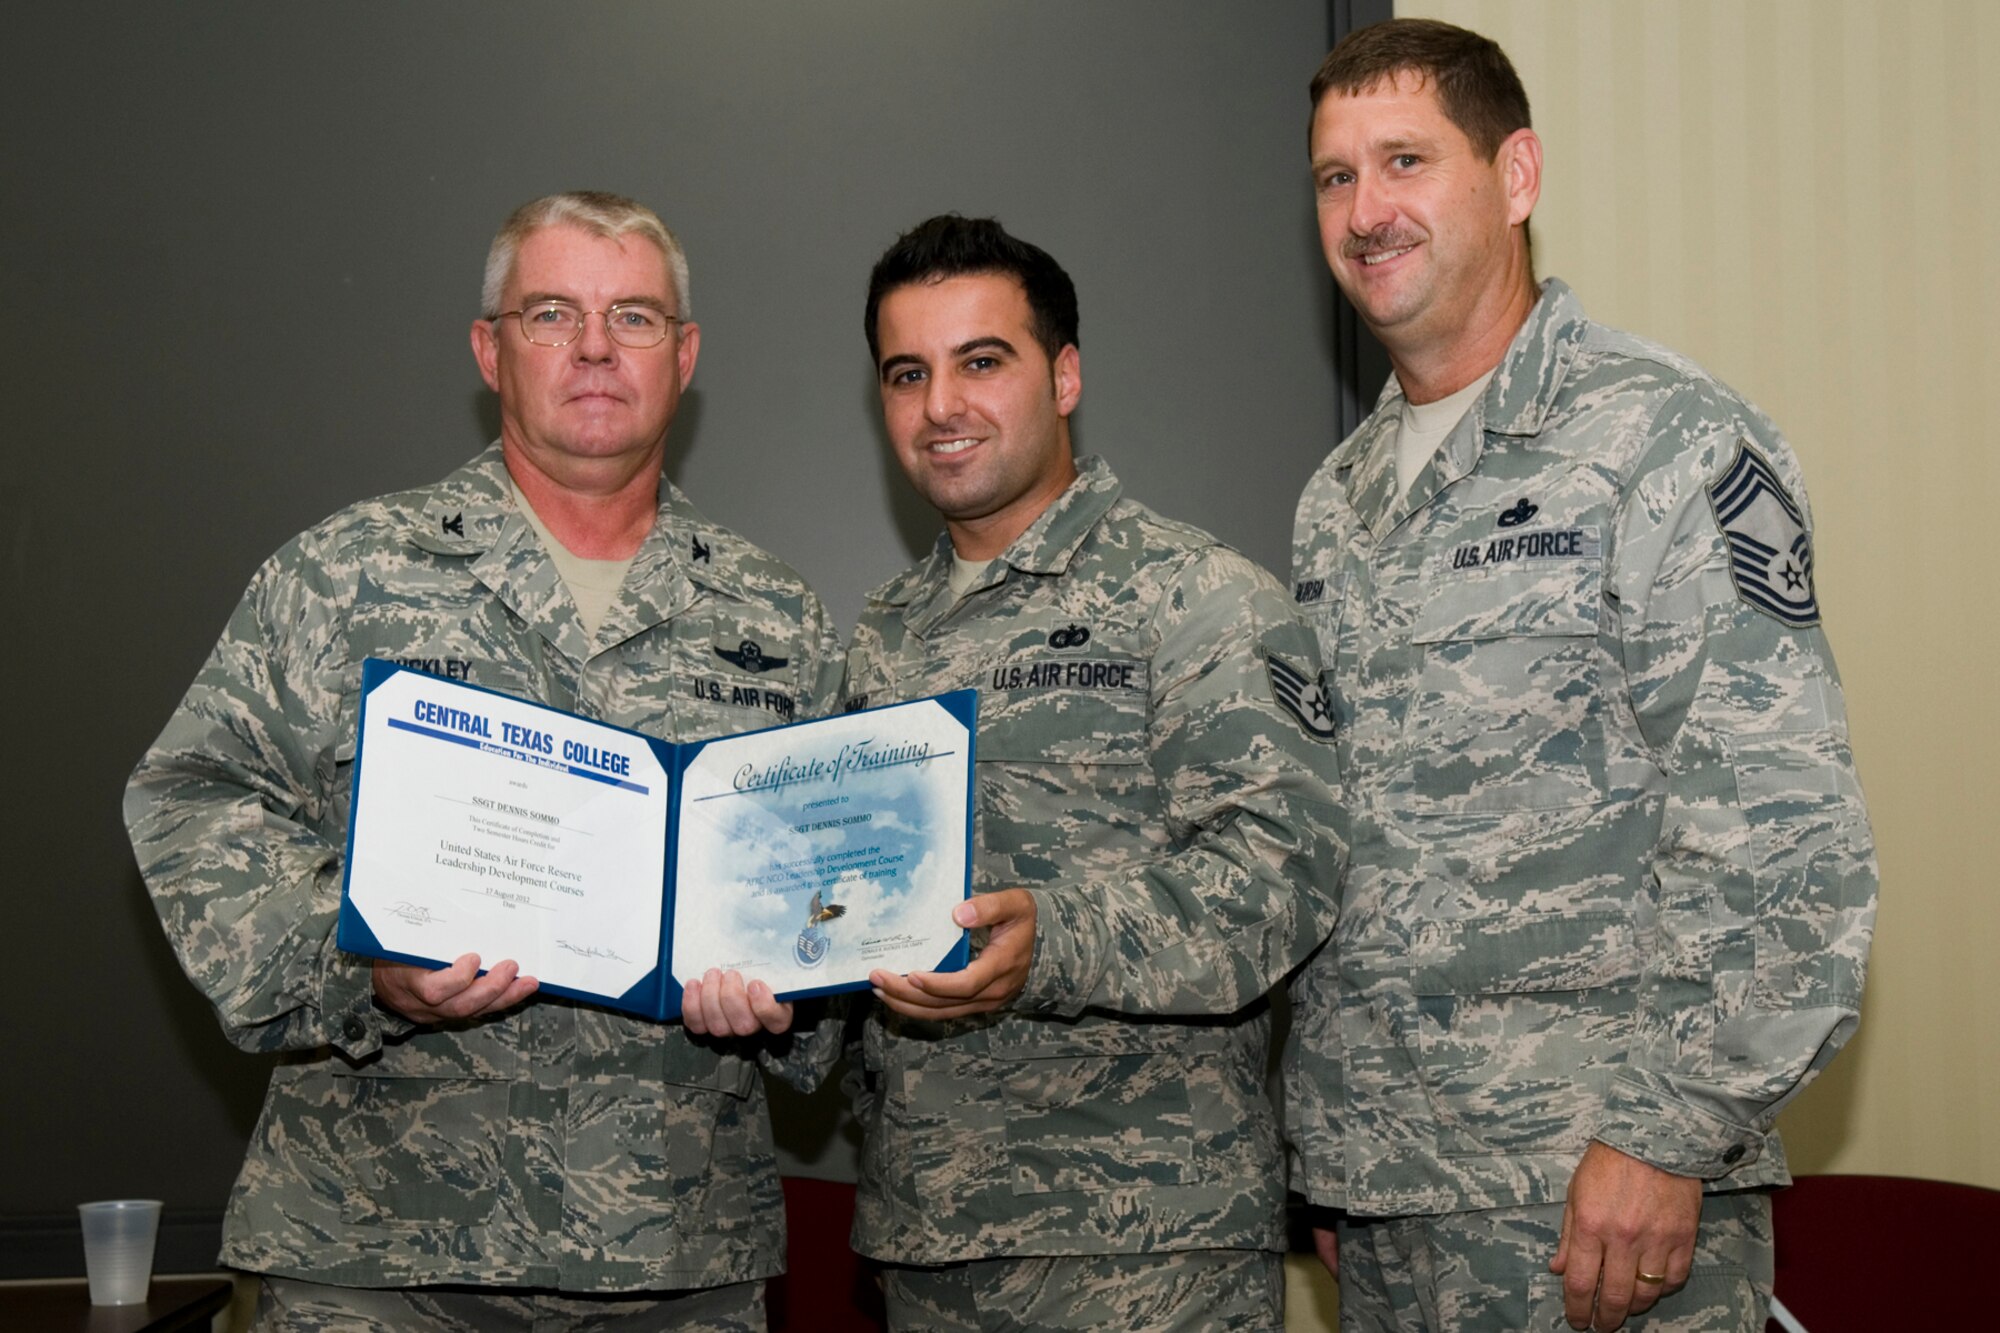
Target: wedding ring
<point>1652,1279</point>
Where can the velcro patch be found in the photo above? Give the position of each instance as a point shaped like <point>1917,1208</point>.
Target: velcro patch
<point>1535,545</point>
<point>1770,551</point>
<point>1304,697</point>
<point>1070,673</point>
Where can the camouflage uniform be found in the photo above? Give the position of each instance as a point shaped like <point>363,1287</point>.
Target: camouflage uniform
<point>289,1305</point>
<point>1489,1270</point>
<point>1612,876</point>
<point>1179,1291</point>
<point>1172,822</point>
<point>555,1146</point>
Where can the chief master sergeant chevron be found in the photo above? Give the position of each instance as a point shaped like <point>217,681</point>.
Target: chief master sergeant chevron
<point>446,1150</point>
<point>1612,882</point>
<point>1074,1131</point>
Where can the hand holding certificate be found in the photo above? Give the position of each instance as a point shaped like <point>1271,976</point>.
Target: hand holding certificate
<point>608,863</point>
<point>987,983</point>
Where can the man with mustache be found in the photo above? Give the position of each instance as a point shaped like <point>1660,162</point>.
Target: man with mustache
<point>1612,883</point>
<point>445,1149</point>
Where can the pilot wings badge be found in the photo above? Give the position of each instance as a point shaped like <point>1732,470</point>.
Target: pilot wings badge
<point>750,656</point>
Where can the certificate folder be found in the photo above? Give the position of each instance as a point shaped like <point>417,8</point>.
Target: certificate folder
<point>609,864</point>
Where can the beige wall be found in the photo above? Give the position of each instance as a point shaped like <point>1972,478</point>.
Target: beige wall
<point>1803,196</point>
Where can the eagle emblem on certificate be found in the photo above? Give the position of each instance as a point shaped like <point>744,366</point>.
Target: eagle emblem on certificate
<point>812,944</point>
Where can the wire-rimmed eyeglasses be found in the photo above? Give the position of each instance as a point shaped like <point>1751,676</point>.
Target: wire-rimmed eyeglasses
<point>558,323</point>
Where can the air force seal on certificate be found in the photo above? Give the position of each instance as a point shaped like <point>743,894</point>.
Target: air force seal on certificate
<point>1770,552</point>
<point>811,946</point>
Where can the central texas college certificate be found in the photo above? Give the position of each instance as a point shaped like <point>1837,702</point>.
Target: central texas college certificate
<point>610,864</point>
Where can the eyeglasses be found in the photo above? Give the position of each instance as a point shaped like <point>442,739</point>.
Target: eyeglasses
<point>558,323</point>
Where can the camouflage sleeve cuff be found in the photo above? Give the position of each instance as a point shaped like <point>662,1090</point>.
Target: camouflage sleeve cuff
<point>356,1026</point>
<point>804,1055</point>
<point>1650,1123</point>
<point>1070,954</point>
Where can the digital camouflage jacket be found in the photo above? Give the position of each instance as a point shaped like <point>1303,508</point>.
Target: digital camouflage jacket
<point>1152,768</point>
<point>558,1145</point>
<point>1612,876</point>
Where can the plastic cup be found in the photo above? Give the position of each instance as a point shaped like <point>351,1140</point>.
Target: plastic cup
<point>118,1236</point>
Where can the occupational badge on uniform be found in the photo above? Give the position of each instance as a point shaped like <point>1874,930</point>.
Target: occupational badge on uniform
<point>811,947</point>
<point>1070,636</point>
<point>1305,697</point>
<point>750,656</point>
<point>1770,551</point>
<point>1523,510</point>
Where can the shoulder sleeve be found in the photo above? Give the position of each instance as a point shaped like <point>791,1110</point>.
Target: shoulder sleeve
<point>234,817</point>
<point>1764,868</point>
<point>1246,890</point>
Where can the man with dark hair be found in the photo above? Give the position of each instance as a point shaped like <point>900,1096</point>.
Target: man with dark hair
<point>950,246</point>
<point>1612,884</point>
<point>1475,84</point>
<point>1074,1131</point>
<point>448,1149</point>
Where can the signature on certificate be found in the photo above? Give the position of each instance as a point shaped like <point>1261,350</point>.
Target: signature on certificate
<point>592,951</point>
<point>415,914</point>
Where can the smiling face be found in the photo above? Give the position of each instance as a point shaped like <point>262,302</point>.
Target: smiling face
<point>1424,235</point>
<point>592,410</point>
<point>977,412</point>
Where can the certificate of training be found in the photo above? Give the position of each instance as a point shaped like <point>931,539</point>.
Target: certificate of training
<point>609,864</point>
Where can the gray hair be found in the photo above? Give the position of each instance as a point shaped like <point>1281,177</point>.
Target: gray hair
<point>612,216</point>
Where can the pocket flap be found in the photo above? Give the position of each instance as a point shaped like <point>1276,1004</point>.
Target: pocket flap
<point>1554,589</point>
<point>1531,951</point>
<point>1065,724</point>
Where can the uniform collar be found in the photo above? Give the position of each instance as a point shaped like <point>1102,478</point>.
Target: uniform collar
<point>1516,402</point>
<point>1047,547</point>
<point>471,513</point>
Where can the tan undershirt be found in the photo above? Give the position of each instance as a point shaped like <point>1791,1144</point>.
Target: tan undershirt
<point>964,573</point>
<point>1421,428</point>
<point>592,584</point>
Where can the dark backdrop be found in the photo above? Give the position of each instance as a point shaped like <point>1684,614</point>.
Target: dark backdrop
<point>242,247</point>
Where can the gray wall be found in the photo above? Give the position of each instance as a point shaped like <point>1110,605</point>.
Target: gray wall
<point>242,248</point>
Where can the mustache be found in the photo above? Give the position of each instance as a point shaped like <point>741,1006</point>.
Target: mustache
<point>1385,237</point>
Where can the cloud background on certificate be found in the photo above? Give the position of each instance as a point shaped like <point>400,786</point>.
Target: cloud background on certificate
<point>748,877</point>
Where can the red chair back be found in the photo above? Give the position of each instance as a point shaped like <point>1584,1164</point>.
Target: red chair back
<point>1873,1254</point>
<point>826,1288</point>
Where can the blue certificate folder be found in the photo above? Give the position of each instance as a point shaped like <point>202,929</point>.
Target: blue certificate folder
<point>609,864</point>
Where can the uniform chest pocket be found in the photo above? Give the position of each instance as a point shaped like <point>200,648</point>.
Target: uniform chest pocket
<point>1065,712</point>
<point>717,704</point>
<point>1506,702</point>
<point>1062,774</point>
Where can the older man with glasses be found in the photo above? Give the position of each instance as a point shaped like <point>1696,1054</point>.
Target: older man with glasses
<point>448,1149</point>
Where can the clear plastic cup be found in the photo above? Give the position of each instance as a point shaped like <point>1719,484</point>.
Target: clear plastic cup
<point>118,1236</point>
